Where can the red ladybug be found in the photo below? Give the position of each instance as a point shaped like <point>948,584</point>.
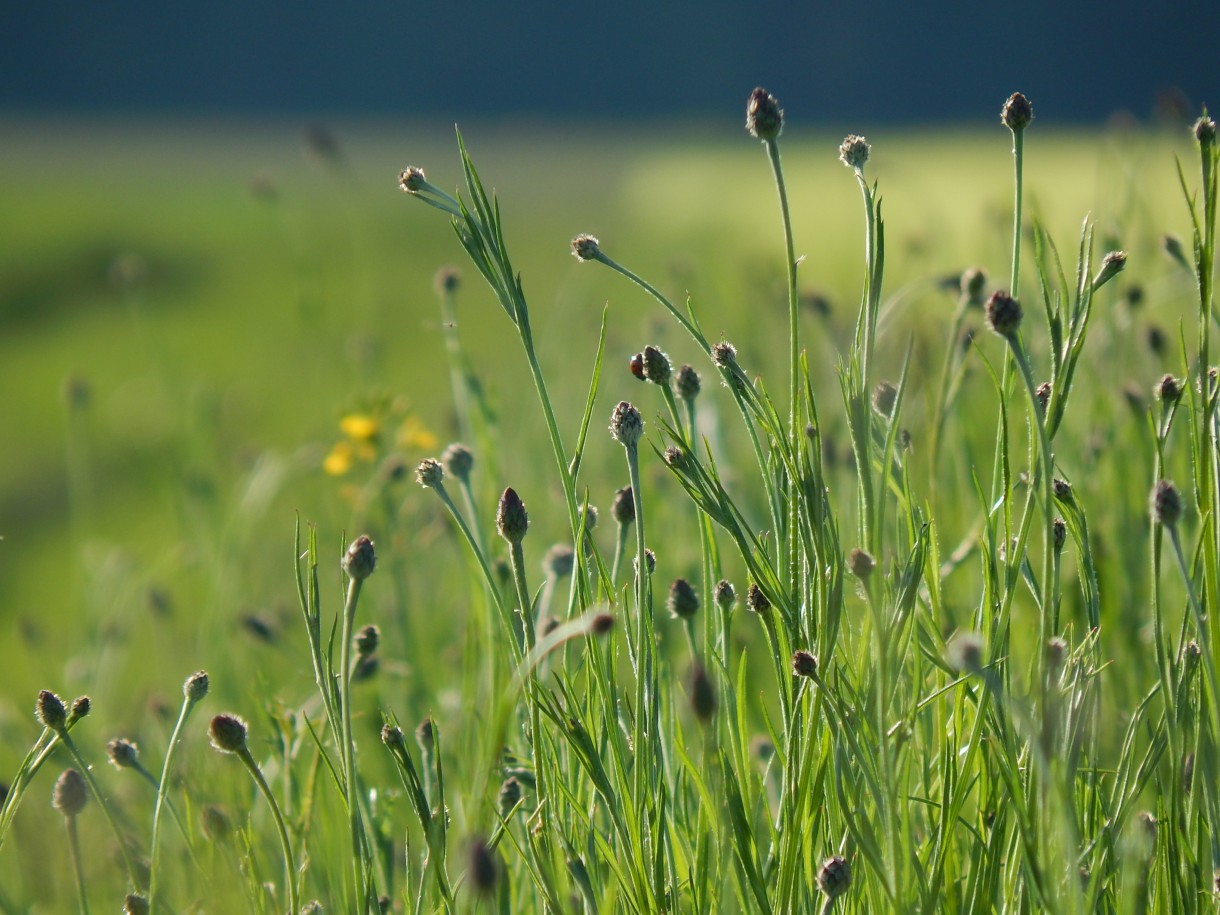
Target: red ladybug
<point>637,366</point>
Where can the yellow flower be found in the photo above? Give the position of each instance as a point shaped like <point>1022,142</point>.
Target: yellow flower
<point>414,434</point>
<point>360,427</point>
<point>339,461</point>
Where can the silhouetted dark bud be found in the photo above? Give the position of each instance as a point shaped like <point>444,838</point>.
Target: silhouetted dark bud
<point>683,602</point>
<point>482,868</point>
<point>623,506</point>
<point>51,711</point>
<point>973,284</point>
<point>601,623</point>
<point>1017,112</point>
<point>756,600</point>
<point>228,733</point>
<point>585,247</point>
<point>511,518</point>
<point>1168,390</point>
<point>360,559</point>
<point>123,753</point>
<point>447,280</point>
<point>702,693</point>
<point>861,563</point>
<point>686,383</point>
<point>885,395</point>
<point>510,795</point>
<point>657,367</point>
<point>1003,313</point>
<point>367,640</point>
<point>834,877</point>
<point>1059,532</point>
<point>458,461</point>
<point>804,664</point>
<point>1166,503</point>
<point>1205,131</point>
<point>764,117</point>
<point>965,653</point>
<point>724,594</point>
<point>135,904</point>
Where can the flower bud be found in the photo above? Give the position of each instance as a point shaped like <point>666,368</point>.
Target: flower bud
<point>195,687</point>
<point>71,793</point>
<point>1017,112</point>
<point>804,664</point>
<point>1166,503</point>
<point>512,521</point>
<point>756,600</point>
<point>50,711</point>
<point>861,563</point>
<point>687,383</point>
<point>558,561</point>
<point>834,877</point>
<point>123,753</point>
<point>1003,313</point>
<point>683,602</point>
<point>702,693</point>
<point>657,367</point>
<point>411,180</point>
<point>623,506</point>
<point>853,152</point>
<point>228,733</point>
<point>626,424</point>
<point>135,904</point>
<point>367,640</point>
<point>430,473</point>
<point>586,248</point>
<point>724,594</point>
<point>360,559</point>
<point>458,461</point>
<point>510,795</point>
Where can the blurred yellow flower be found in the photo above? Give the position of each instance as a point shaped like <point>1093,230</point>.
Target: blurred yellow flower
<point>360,427</point>
<point>340,459</point>
<point>414,434</point>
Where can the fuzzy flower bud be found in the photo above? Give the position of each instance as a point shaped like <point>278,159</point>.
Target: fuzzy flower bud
<point>1059,532</point>
<point>430,473</point>
<point>367,640</point>
<point>973,282</point>
<point>81,707</point>
<point>511,519</point>
<point>123,753</point>
<point>586,248</point>
<point>510,795</point>
<point>626,425</point>
<point>51,711</point>
<point>724,354</point>
<point>1017,112</point>
<point>804,664</point>
<point>1043,393</point>
<point>1111,266</point>
<point>1205,131</point>
<point>756,600</point>
<point>702,693</point>
<point>458,461</point>
<point>1003,313</point>
<point>135,904</point>
<point>360,559</point>
<point>228,733</point>
<point>834,877</point>
<point>861,563</point>
<point>1166,504</point>
<point>1168,390</point>
<point>482,868</point>
<point>657,367</point>
<point>764,117</point>
<point>687,383</point>
<point>650,560</point>
<point>392,737</point>
<point>623,506</point>
<point>411,179</point>
<point>853,152</point>
<point>683,602</point>
<point>601,623</point>
<point>195,687</point>
<point>885,395</point>
<point>447,280</point>
<point>71,793</point>
<point>425,735</point>
<point>558,561</point>
<point>724,594</point>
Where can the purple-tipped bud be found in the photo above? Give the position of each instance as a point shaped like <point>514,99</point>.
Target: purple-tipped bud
<point>683,602</point>
<point>228,733</point>
<point>764,117</point>
<point>51,711</point>
<point>756,600</point>
<point>1205,131</point>
<point>724,594</point>
<point>123,753</point>
<point>623,506</point>
<point>81,707</point>
<point>458,461</point>
<point>1017,112</point>
<point>724,354</point>
<point>804,664</point>
<point>853,152</point>
<point>626,425</point>
<point>1003,313</point>
<point>71,793</point>
<point>657,367</point>
<point>834,877</point>
<point>511,519</point>
<point>586,248</point>
<point>1168,390</point>
<point>1062,490</point>
<point>411,179</point>
<point>430,473</point>
<point>360,559</point>
<point>195,687</point>
<point>1059,532</point>
<point>1166,504</point>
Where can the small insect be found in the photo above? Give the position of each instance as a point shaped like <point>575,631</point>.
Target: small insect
<point>637,366</point>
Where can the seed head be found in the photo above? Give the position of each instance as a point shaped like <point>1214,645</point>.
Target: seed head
<point>1205,131</point>
<point>360,559</point>
<point>482,868</point>
<point>447,280</point>
<point>1017,112</point>
<point>626,425</point>
<point>861,563</point>
<point>764,117</point>
<point>650,560</point>
<point>458,461</point>
<point>1166,504</point>
<point>511,518</point>
<point>702,693</point>
<point>724,594</point>
<point>657,367</point>
<point>623,506</point>
<point>586,248</point>
<point>965,653</point>
<point>1003,313</point>
<point>834,877</point>
<point>558,561</point>
<point>1168,390</point>
<point>71,793</point>
<point>973,282</point>
<point>430,473</point>
<point>123,753</point>
<point>411,179</point>
<point>425,735</point>
<point>510,795</point>
<point>853,151</point>
<point>367,640</point>
<point>228,733</point>
<point>885,395</point>
<point>1111,266</point>
<point>50,711</point>
<point>724,354</point>
<point>195,687</point>
<point>683,602</point>
<point>804,664</point>
<point>687,383</point>
<point>1059,532</point>
<point>135,904</point>
<point>756,600</point>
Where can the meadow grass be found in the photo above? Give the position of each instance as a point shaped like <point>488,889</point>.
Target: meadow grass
<point>899,612</point>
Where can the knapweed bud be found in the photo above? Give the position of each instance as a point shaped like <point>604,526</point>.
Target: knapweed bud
<point>623,506</point>
<point>482,868</point>
<point>1111,266</point>
<point>834,877</point>
<point>1166,503</point>
<point>447,280</point>
<point>626,425</point>
<point>1062,491</point>
<point>1043,394</point>
<point>657,367</point>
<point>228,733</point>
<point>853,151</point>
<point>964,653</point>
<point>135,904</point>
<point>1017,112</point>
<point>510,795</point>
<point>702,693</point>
<point>687,383</point>
<point>650,560</point>
<point>71,793</point>
<point>675,457</point>
<point>885,395</point>
<point>724,594</point>
<point>1168,390</point>
<point>764,117</point>
<point>430,473</point>
<point>586,248</point>
<point>123,753</point>
<point>973,284</point>
<point>804,664</point>
<point>367,640</point>
<point>392,737</point>
<point>195,687</point>
<point>214,823</point>
<point>601,623</point>
<point>51,711</point>
<point>81,707</point>
<point>861,563</point>
<point>458,461</point>
<point>1205,131</point>
<point>425,735</point>
<point>511,519</point>
<point>756,600</point>
<point>683,602</point>
<point>1172,246</point>
<point>1003,313</point>
<point>1059,532</point>
<point>411,179</point>
<point>724,354</point>
<point>558,561</point>
<point>360,559</point>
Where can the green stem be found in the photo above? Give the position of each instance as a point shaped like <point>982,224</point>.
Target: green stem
<point>285,842</point>
<point>132,872</point>
<point>349,765</point>
<point>78,870</point>
<point>162,800</point>
<point>1018,155</point>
